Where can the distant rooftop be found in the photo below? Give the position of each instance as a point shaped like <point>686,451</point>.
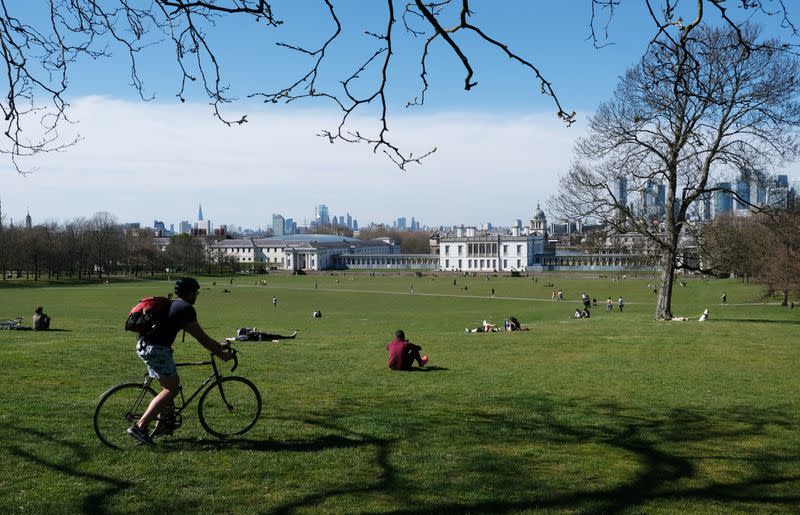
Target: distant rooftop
<point>311,237</point>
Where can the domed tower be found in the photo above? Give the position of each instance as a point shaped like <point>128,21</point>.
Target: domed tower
<point>538,222</point>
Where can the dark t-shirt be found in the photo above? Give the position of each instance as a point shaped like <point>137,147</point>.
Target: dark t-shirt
<point>399,354</point>
<point>180,314</point>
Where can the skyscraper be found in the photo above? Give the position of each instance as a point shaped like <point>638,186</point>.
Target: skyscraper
<point>723,199</point>
<point>622,191</point>
<point>278,225</point>
<point>321,216</point>
<point>742,194</point>
<point>199,212</point>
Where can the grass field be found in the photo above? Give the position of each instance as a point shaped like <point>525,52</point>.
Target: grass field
<point>617,413</point>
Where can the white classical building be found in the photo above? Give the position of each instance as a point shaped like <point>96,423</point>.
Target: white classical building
<point>469,250</point>
<point>302,251</point>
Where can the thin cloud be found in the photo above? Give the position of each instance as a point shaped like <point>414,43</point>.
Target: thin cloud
<point>145,161</point>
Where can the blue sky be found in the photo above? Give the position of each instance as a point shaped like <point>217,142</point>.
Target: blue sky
<point>500,147</point>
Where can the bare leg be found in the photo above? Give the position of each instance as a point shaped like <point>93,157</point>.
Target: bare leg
<point>170,386</point>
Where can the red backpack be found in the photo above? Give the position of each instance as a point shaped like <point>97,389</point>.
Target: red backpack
<point>147,316</point>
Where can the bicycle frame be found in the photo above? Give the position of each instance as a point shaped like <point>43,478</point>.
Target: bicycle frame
<point>215,375</point>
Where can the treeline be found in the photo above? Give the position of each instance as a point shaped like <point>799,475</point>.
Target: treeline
<point>411,242</point>
<point>764,247</point>
<point>97,247</point>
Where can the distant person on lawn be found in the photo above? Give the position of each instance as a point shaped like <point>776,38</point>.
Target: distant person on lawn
<point>403,353</point>
<point>156,352</point>
<point>41,322</point>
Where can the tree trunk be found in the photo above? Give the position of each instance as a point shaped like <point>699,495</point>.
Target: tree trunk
<point>664,304</point>
<point>785,301</point>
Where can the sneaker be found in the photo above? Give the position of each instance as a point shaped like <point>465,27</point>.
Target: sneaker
<point>293,335</point>
<point>140,435</point>
<point>466,329</point>
<point>424,360</point>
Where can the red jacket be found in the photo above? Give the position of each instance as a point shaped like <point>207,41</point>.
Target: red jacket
<point>399,354</point>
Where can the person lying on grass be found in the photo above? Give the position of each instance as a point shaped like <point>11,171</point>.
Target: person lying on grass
<point>486,327</point>
<point>251,334</point>
<point>403,353</point>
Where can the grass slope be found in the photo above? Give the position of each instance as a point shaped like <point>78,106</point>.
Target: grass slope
<point>616,413</point>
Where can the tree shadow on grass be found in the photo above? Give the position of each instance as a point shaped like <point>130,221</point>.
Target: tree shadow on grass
<point>95,502</point>
<point>654,459</point>
<point>666,448</point>
<point>665,454</point>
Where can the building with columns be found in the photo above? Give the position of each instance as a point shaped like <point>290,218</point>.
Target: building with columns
<point>469,250</point>
<point>302,252</point>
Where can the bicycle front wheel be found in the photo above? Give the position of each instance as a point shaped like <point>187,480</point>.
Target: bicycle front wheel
<point>118,409</point>
<point>230,406</point>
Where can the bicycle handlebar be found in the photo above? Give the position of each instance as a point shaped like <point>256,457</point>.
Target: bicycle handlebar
<point>234,355</point>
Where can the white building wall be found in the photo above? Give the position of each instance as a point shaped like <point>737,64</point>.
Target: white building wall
<point>482,254</point>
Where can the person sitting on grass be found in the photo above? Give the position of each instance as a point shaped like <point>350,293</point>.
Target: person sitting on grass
<point>578,313</point>
<point>403,353</point>
<point>41,322</point>
<point>156,352</point>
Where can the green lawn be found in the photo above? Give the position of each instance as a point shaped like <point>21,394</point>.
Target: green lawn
<point>617,413</point>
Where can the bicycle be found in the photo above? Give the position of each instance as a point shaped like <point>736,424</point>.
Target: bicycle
<point>229,406</point>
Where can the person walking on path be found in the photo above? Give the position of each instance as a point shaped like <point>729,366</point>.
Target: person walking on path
<point>724,297</point>
<point>609,305</point>
<point>275,302</point>
<point>620,304</point>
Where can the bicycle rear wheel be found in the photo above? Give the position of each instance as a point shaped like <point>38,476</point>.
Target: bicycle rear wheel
<point>118,409</point>
<point>229,407</point>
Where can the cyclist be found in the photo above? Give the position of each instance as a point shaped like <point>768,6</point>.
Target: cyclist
<point>156,352</point>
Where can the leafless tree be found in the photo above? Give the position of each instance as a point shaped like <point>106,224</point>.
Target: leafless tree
<point>41,43</point>
<point>106,243</point>
<point>736,245</point>
<point>78,247</point>
<point>765,246</point>
<point>693,110</point>
<point>185,253</point>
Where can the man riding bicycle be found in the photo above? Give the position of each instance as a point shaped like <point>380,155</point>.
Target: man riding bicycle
<point>156,352</point>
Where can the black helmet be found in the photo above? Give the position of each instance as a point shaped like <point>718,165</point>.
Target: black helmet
<point>186,285</point>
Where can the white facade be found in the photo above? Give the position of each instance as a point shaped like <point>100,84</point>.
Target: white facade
<point>489,252</point>
<point>301,254</point>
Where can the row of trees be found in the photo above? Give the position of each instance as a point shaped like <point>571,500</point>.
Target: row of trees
<point>97,247</point>
<point>764,247</point>
<point>410,242</point>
